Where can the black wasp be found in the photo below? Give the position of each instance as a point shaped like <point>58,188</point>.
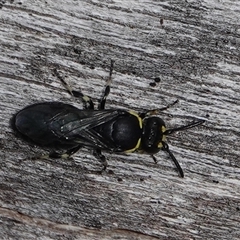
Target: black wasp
<point>62,126</point>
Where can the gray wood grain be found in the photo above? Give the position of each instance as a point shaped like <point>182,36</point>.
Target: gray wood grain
<point>194,48</point>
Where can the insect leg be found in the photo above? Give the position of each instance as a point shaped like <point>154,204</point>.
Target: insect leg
<point>87,101</point>
<point>67,154</point>
<point>166,148</point>
<point>156,111</point>
<point>107,88</point>
<point>55,154</point>
<point>98,154</point>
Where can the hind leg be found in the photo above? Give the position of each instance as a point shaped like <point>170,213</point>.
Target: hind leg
<point>55,154</point>
<point>87,101</point>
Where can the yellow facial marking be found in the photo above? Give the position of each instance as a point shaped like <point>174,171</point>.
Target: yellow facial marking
<point>160,145</point>
<point>164,136</point>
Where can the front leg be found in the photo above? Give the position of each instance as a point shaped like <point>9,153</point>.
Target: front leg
<point>55,154</point>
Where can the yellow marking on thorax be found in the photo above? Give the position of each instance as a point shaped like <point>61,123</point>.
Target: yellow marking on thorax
<point>137,116</point>
<point>135,148</point>
<point>140,125</point>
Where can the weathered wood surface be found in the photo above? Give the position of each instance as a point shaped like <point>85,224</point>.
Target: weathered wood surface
<point>194,47</point>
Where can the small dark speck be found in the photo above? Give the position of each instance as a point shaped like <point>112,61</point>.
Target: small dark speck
<point>141,179</point>
<point>207,115</point>
<point>156,201</point>
<point>94,223</point>
<point>157,79</point>
<point>76,50</point>
<point>152,84</point>
<point>1,143</point>
<point>215,181</point>
<point>120,179</point>
<point>92,67</point>
<point>110,171</point>
<point>82,62</point>
<point>134,72</point>
<point>161,21</point>
<point>237,208</point>
<point>16,221</point>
